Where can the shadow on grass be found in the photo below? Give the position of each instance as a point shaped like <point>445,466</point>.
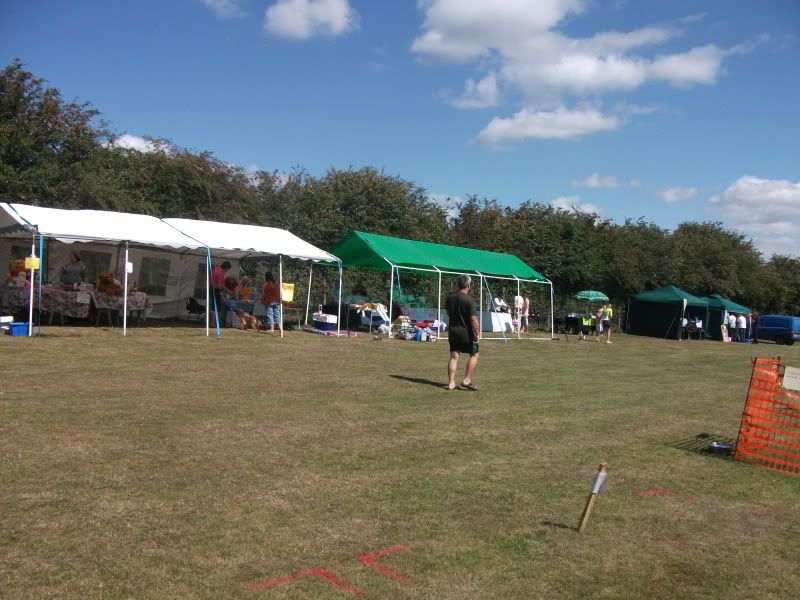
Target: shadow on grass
<point>701,444</point>
<point>558,525</point>
<point>419,380</point>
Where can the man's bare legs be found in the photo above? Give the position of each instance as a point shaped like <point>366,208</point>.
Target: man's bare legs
<point>472,363</point>
<point>452,366</point>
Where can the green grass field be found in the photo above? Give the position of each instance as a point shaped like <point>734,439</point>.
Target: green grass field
<point>170,465</point>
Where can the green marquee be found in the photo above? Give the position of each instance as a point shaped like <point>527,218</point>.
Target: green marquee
<point>660,312</point>
<point>379,252</point>
<point>670,294</point>
<point>717,307</point>
<point>715,301</point>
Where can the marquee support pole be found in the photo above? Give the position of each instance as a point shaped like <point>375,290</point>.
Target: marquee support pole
<point>30,282</point>
<point>280,292</point>
<point>125,295</point>
<point>391,298</point>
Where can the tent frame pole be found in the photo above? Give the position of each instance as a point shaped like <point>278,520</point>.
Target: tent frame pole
<point>280,291</point>
<point>208,297</point>
<point>308,296</point>
<point>41,268</point>
<point>519,314</point>
<point>125,295</point>
<point>30,282</point>
<point>391,294</point>
<point>339,304</point>
<point>480,304</point>
<point>439,298</point>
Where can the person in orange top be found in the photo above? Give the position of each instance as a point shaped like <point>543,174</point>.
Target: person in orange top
<point>271,298</point>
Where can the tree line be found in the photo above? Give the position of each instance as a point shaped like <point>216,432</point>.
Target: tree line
<point>60,153</point>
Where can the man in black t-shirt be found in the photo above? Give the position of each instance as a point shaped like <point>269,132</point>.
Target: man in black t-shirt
<point>464,333</point>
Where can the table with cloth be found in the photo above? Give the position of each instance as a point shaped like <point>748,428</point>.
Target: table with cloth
<point>73,303</point>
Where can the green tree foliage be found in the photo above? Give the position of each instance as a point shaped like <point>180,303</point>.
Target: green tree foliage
<point>167,182</point>
<point>322,210</point>
<point>711,259</point>
<point>777,287</point>
<point>638,257</point>
<point>41,136</point>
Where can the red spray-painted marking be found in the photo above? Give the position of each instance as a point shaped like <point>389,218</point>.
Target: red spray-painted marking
<point>324,574</point>
<point>658,492</point>
<point>665,492</point>
<point>370,560</point>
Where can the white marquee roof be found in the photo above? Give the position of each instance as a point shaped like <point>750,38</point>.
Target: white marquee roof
<point>235,241</point>
<point>226,240</point>
<point>93,225</point>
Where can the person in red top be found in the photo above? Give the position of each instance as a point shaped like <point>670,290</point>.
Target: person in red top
<point>271,298</point>
<point>217,286</point>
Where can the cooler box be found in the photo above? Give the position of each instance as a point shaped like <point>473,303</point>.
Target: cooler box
<point>17,329</point>
<point>325,322</point>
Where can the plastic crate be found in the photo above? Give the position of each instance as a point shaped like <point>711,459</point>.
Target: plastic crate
<point>322,326</point>
<point>17,329</point>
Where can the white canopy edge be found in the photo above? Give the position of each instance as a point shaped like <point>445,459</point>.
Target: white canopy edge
<point>11,221</point>
<point>70,226</point>
<point>230,240</point>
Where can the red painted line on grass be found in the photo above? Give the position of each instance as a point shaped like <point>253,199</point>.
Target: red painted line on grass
<point>658,492</point>
<point>370,560</point>
<point>273,582</point>
<point>323,573</point>
<point>665,492</point>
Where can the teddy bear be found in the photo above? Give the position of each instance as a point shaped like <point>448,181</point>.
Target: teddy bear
<point>106,284</point>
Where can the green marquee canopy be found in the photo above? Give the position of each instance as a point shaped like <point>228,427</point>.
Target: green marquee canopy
<point>669,294</point>
<point>379,252</point>
<point>723,303</point>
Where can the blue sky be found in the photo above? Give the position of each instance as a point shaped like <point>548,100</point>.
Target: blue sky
<point>671,111</point>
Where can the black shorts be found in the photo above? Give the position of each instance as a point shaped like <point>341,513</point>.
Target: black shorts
<point>460,341</point>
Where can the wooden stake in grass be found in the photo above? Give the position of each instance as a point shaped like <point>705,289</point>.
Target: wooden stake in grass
<point>597,487</point>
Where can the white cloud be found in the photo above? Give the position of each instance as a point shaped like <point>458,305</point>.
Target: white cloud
<point>558,124</point>
<point>697,66</point>
<point>766,209</point>
<point>224,8</point>
<point>483,94</point>
<point>534,55</point>
<point>635,183</point>
<point>574,204</point>
<point>449,203</point>
<point>134,142</point>
<point>676,194</point>
<point>517,45</point>
<point>595,180</point>
<point>304,19</point>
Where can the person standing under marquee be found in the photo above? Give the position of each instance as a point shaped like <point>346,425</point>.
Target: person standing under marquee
<point>217,287</point>
<point>464,334</point>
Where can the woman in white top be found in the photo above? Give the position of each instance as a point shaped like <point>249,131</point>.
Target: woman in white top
<point>732,326</point>
<point>741,328</point>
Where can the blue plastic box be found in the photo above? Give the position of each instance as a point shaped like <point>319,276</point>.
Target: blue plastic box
<point>320,326</point>
<point>17,329</point>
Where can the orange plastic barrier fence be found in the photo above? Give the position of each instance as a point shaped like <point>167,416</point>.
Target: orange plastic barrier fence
<point>769,434</point>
